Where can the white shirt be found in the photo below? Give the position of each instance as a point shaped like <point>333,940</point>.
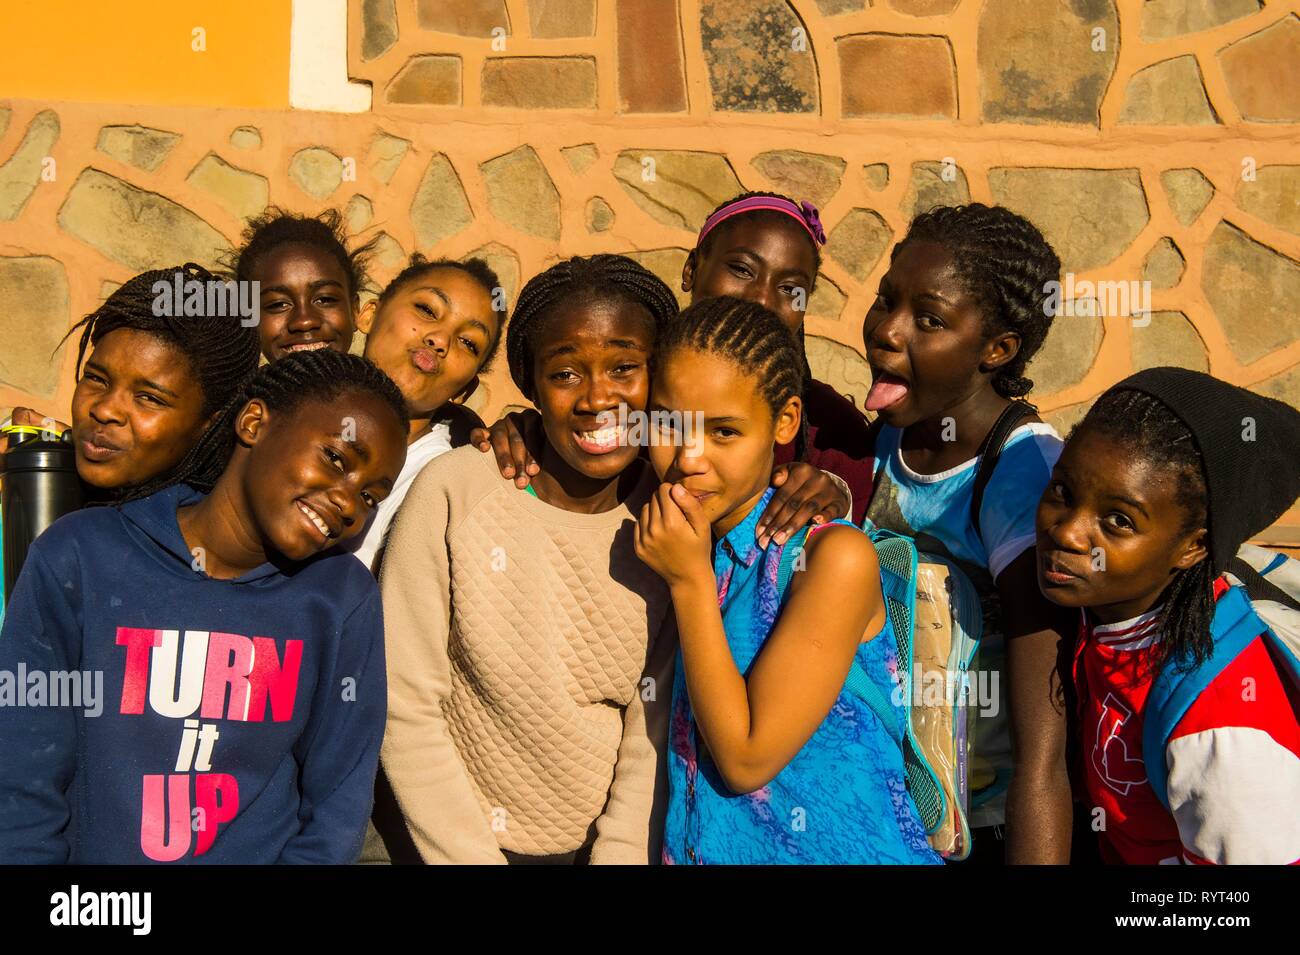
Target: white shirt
<point>367,545</point>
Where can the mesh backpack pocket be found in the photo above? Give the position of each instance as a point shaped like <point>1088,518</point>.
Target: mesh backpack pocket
<point>935,615</point>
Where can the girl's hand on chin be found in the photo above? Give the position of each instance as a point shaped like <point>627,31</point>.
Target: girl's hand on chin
<point>673,536</point>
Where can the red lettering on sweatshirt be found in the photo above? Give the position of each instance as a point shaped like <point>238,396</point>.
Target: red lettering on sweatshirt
<point>215,675</point>
<point>230,660</point>
<point>216,798</point>
<point>159,840</point>
<point>167,821</point>
<point>271,678</point>
<point>135,679</point>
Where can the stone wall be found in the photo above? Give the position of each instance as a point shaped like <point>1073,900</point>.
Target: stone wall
<point>1152,141</point>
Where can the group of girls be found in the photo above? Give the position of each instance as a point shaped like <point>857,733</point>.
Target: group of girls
<point>338,618</point>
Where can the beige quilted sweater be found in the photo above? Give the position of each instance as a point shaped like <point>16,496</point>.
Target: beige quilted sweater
<point>519,639</point>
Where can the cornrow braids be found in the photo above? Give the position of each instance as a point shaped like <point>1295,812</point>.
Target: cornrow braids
<point>276,227</point>
<point>1151,432</point>
<point>600,278</point>
<point>221,351</point>
<point>317,376</point>
<point>767,215</point>
<point>477,269</point>
<point>750,337</point>
<point>1007,266</point>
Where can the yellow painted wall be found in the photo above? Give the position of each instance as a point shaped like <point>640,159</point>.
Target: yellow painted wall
<point>142,51</point>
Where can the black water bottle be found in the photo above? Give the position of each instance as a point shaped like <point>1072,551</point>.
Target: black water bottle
<point>38,478</point>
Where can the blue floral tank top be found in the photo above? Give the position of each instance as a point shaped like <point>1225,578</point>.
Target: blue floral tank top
<point>842,799</point>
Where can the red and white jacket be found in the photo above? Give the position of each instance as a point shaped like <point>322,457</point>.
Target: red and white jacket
<point>1233,759</point>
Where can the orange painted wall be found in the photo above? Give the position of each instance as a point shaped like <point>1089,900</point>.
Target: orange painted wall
<point>141,51</point>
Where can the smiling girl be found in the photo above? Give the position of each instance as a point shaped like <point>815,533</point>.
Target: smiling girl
<point>310,283</point>
<point>527,669</point>
<point>764,248</point>
<point>773,759</point>
<point>242,664</point>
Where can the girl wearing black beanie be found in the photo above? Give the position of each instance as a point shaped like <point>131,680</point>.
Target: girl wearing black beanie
<point>1189,746</point>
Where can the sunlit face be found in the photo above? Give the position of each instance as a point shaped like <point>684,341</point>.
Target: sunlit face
<point>307,301</point>
<point>137,410</point>
<point>314,473</point>
<point>1111,529</point>
<point>728,467</point>
<point>764,259</point>
<point>431,336</point>
<point>588,359</point>
<point>926,338</point>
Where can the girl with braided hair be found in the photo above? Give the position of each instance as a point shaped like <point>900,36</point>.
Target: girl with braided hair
<point>1187,737</point>
<point>962,309</point>
<point>765,248</point>
<point>528,663</point>
<point>150,386</point>
<point>241,654</point>
<point>310,280</point>
<point>764,729</point>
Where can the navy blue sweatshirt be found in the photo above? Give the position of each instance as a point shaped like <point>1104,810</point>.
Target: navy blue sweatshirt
<point>240,720</point>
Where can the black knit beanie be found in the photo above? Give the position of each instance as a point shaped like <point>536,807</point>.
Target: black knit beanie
<point>1250,446</point>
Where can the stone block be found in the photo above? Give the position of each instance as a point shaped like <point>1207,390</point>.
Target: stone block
<point>882,75</point>
<point>676,187</point>
<point>138,229</point>
<point>1254,291</point>
<point>440,208</point>
<point>21,173</point>
<point>1039,61</point>
<point>540,82</point>
<point>241,193</point>
<point>521,194</point>
<point>137,146</point>
<point>431,80</point>
<point>34,314</point>
<point>759,57</point>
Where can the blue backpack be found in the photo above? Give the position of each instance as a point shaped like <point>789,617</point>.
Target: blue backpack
<point>1257,604</point>
<point>931,735</point>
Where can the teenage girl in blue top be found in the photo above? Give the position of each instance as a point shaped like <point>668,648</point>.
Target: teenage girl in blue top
<point>770,759</point>
<point>963,308</point>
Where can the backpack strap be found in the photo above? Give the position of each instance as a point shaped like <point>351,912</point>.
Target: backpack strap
<point>1258,586</point>
<point>877,464</point>
<point>790,553</point>
<point>1234,627</point>
<point>897,558</point>
<point>857,682</point>
<point>991,449</point>
<point>793,548</point>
